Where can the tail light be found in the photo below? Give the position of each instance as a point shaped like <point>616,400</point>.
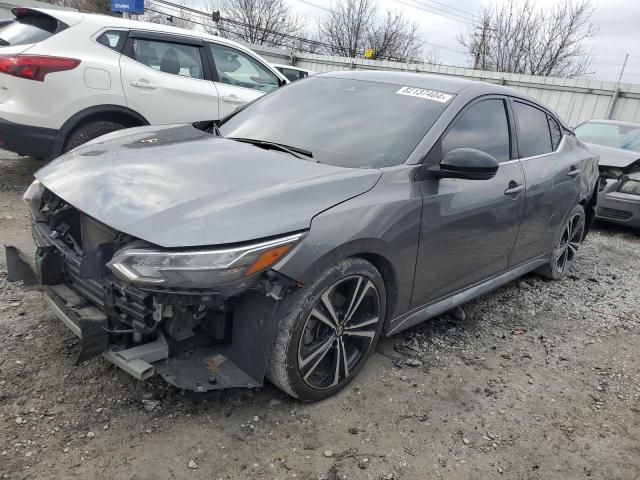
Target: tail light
<point>35,67</point>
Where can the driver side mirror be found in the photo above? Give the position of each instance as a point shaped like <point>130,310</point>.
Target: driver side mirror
<point>466,164</point>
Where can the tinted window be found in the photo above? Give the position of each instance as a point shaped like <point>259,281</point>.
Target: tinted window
<point>483,126</point>
<point>556,132</point>
<point>291,74</point>
<point>27,29</point>
<point>349,123</point>
<point>533,130</point>
<point>614,135</point>
<point>236,68</point>
<point>167,57</point>
<point>112,39</point>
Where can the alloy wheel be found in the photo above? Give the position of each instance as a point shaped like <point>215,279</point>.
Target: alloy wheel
<point>339,332</point>
<point>569,242</point>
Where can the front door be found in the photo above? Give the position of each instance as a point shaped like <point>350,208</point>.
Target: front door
<point>165,80</point>
<point>469,226</point>
<point>240,78</point>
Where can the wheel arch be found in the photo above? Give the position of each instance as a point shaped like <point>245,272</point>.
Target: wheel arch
<point>590,204</point>
<point>319,257</point>
<point>118,113</point>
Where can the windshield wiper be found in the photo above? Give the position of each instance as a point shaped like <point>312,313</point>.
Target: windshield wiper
<point>3,42</point>
<point>295,151</point>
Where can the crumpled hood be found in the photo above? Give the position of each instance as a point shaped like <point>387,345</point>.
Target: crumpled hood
<point>176,186</point>
<point>614,157</point>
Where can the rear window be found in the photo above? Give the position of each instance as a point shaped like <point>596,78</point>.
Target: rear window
<point>28,29</point>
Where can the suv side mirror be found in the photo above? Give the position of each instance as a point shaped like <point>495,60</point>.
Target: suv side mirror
<point>466,164</point>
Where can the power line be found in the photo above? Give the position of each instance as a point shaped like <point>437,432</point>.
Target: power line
<point>468,22</point>
<point>440,9</point>
<point>453,8</point>
<point>315,5</point>
<point>316,43</point>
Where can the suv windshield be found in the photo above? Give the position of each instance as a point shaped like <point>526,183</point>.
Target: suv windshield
<point>613,135</point>
<point>27,29</point>
<point>342,122</point>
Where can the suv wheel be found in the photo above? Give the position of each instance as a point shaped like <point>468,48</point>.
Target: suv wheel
<point>89,131</point>
<point>570,238</point>
<point>328,331</point>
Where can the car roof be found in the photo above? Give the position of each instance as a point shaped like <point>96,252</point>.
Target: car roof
<point>99,20</point>
<point>444,83</point>
<point>624,123</point>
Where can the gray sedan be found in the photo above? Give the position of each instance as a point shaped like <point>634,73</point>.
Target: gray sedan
<point>282,241</point>
<point>618,145</point>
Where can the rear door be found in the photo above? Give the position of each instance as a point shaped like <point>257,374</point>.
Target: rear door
<point>166,78</point>
<point>240,78</point>
<point>469,227</point>
<point>552,171</point>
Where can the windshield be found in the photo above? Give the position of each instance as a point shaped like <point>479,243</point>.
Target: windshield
<point>27,29</point>
<point>342,122</point>
<point>613,135</point>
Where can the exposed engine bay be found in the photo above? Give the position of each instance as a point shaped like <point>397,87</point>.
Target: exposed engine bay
<point>197,339</point>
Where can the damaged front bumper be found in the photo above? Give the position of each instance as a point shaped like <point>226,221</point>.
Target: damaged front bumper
<point>617,207</point>
<point>196,340</point>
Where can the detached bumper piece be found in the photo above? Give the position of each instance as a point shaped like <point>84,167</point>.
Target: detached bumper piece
<point>195,340</point>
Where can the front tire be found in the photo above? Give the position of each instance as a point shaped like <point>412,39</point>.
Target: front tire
<point>568,241</point>
<point>329,329</point>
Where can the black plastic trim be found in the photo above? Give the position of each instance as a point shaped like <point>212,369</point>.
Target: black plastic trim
<point>36,142</point>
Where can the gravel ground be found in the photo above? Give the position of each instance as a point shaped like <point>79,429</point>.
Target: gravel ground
<point>541,381</point>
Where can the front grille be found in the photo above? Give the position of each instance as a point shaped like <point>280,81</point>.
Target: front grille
<point>615,214</point>
<point>94,233</point>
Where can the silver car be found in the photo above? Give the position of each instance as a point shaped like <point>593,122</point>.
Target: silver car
<point>284,240</point>
<point>618,145</point>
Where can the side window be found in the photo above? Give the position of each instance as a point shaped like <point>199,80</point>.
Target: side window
<point>112,39</point>
<point>483,126</point>
<point>293,75</point>
<point>168,57</point>
<point>236,68</point>
<point>534,137</point>
<point>556,132</point>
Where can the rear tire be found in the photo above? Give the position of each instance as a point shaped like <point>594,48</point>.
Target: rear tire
<point>89,131</point>
<point>328,330</point>
<point>568,240</point>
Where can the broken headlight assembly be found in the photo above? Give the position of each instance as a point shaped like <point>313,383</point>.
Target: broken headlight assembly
<point>630,186</point>
<point>198,268</point>
<point>33,195</point>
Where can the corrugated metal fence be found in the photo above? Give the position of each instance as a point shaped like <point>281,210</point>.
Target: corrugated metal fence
<point>575,100</point>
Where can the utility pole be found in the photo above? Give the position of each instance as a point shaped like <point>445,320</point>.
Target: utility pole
<point>616,91</point>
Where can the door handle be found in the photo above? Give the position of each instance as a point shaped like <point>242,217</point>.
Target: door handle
<point>142,84</point>
<point>573,172</point>
<point>231,99</point>
<point>514,189</point>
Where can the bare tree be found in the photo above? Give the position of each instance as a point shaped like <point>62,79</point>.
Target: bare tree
<point>353,25</point>
<point>525,39</point>
<point>396,37</point>
<point>262,22</point>
<point>93,6</point>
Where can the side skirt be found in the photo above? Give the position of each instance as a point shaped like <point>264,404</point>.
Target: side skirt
<point>424,312</point>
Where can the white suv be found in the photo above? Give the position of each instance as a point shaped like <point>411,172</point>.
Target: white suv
<point>68,77</point>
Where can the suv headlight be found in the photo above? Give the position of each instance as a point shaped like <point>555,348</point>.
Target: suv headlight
<point>198,268</point>
<point>630,186</point>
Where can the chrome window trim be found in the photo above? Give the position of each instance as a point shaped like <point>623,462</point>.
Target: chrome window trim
<point>534,157</point>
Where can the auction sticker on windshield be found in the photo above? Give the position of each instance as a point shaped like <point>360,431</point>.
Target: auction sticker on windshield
<point>423,93</point>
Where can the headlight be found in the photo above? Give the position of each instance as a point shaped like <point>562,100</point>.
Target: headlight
<point>33,195</point>
<point>198,268</point>
<point>630,186</point>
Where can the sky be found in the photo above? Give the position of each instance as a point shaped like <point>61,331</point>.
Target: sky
<point>618,22</point>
